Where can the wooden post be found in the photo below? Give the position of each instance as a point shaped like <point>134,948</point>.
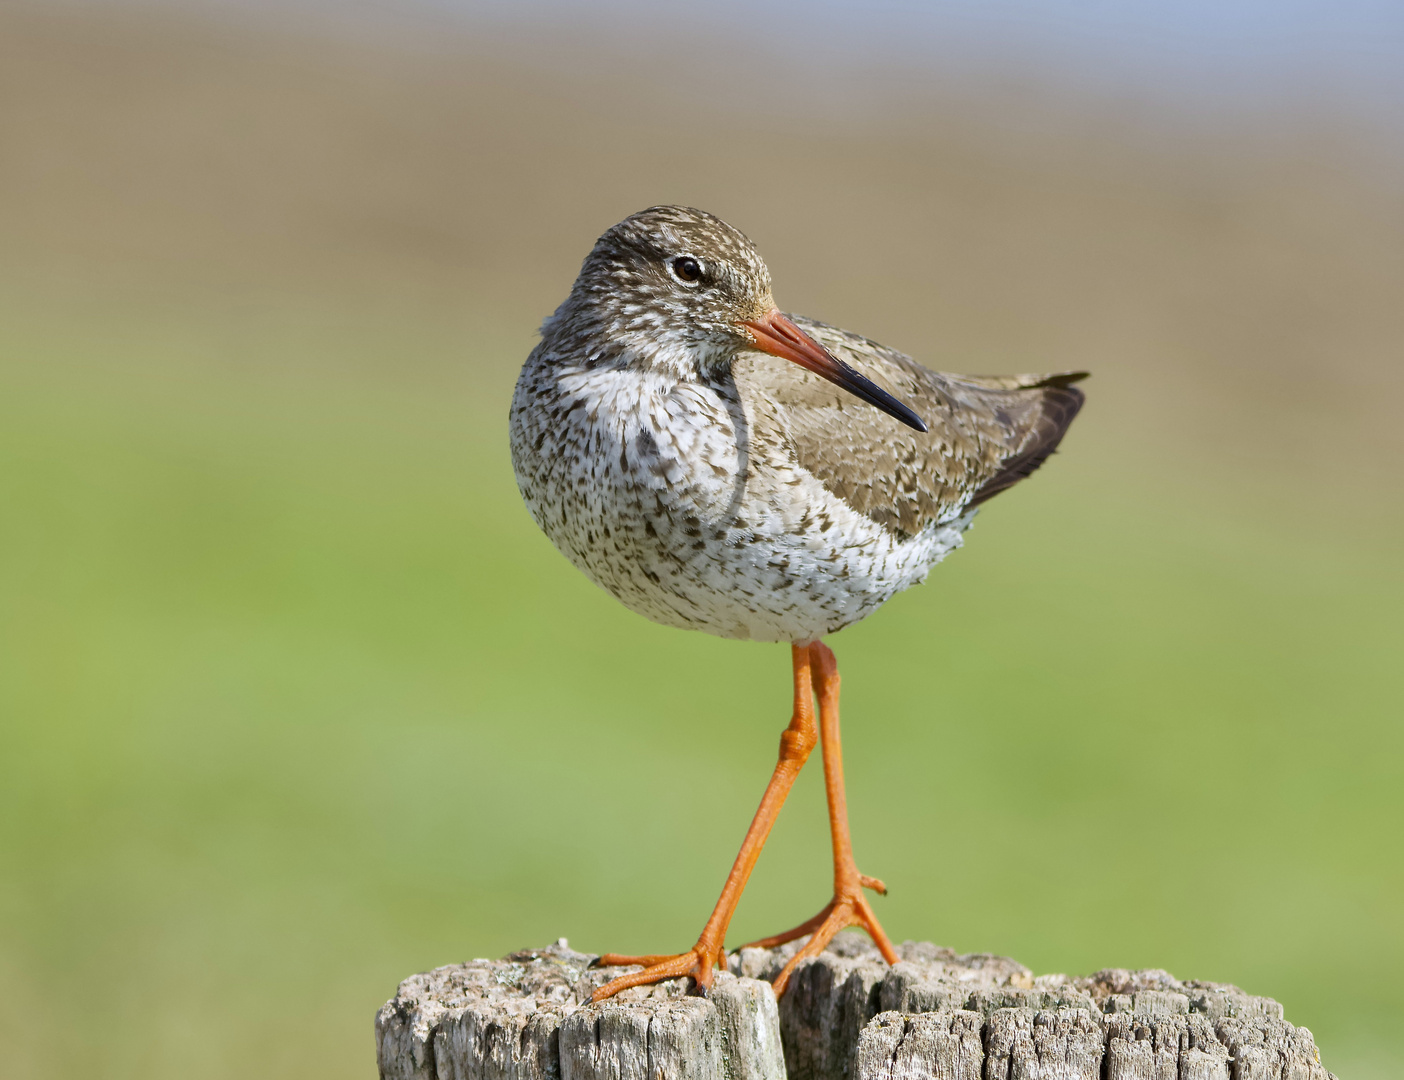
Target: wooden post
<point>528,1017</point>
<point>846,1016</point>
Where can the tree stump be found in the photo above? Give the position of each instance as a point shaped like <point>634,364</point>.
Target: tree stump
<point>846,1016</point>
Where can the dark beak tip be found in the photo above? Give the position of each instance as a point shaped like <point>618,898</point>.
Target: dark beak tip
<point>904,415</point>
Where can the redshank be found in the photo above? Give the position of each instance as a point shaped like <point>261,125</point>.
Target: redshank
<point>717,465</point>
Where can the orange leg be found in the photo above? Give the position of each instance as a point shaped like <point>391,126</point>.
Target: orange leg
<point>796,742</point>
<point>849,907</point>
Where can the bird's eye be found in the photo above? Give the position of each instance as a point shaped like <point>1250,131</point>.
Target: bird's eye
<point>687,269</point>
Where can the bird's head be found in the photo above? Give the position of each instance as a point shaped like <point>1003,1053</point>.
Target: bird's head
<point>677,288</point>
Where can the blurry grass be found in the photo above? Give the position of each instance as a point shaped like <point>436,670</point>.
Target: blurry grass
<point>296,701</point>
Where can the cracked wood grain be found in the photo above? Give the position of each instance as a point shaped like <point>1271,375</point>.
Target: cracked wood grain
<point>934,1015</point>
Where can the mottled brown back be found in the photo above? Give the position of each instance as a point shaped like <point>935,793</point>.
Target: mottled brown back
<point>987,432</point>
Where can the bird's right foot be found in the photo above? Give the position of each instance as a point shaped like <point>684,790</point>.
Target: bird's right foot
<point>697,963</point>
<point>849,907</point>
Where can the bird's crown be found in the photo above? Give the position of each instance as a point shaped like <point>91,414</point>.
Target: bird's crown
<point>667,278</point>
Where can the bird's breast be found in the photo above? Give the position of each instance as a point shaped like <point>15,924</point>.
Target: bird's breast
<point>638,455</point>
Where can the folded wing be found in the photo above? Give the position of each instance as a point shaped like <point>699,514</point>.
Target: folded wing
<point>986,432</point>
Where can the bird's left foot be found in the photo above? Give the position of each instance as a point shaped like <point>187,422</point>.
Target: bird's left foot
<point>849,907</point>
<point>697,962</point>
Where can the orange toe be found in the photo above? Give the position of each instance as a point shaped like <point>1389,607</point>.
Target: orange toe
<point>697,963</point>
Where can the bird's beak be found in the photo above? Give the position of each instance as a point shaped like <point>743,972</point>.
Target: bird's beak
<point>777,335</point>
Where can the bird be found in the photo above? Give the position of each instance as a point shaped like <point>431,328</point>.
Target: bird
<point>718,465</point>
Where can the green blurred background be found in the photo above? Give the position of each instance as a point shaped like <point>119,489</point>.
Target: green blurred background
<point>295,701</point>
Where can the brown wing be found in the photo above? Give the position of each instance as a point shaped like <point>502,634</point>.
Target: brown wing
<point>987,432</point>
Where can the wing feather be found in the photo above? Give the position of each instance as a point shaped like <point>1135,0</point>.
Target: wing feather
<point>987,432</point>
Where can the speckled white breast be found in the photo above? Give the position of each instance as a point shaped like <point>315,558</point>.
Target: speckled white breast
<point>672,496</point>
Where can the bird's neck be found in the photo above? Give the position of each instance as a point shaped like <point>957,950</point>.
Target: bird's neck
<point>611,344</point>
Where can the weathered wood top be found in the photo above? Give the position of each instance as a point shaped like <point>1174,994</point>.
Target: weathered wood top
<point>847,1016</point>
